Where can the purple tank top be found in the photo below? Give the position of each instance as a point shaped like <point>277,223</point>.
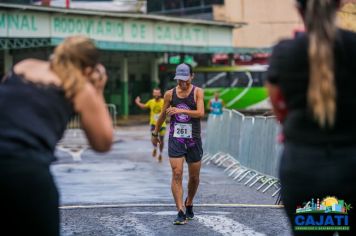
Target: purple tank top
<point>187,103</point>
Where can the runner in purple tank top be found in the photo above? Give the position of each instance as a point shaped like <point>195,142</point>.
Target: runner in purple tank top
<point>185,105</point>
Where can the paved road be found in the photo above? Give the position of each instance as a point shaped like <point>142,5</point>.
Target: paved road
<point>127,192</point>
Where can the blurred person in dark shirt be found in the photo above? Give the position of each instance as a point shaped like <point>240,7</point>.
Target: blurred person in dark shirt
<point>312,84</point>
<point>37,99</point>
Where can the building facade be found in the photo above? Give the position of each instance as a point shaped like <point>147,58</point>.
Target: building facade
<point>266,21</point>
<point>201,9</point>
<point>347,15</point>
<point>261,17</point>
<point>132,45</point>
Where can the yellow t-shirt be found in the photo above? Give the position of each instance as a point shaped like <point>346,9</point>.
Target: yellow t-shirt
<point>155,110</point>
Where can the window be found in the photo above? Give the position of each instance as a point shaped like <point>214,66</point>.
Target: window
<point>16,1</point>
<point>154,5</point>
<point>91,0</point>
<point>210,2</point>
<point>258,78</point>
<point>172,4</point>
<point>239,79</point>
<point>217,79</point>
<point>199,79</point>
<point>192,3</point>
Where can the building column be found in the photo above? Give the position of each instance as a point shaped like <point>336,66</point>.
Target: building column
<point>124,87</point>
<point>154,72</point>
<point>182,57</point>
<point>231,60</point>
<point>8,61</point>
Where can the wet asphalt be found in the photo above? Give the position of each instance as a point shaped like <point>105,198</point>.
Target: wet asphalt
<point>127,192</point>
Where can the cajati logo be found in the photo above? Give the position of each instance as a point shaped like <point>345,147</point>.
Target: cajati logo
<point>328,214</point>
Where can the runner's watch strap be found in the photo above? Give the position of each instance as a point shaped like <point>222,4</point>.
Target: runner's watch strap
<point>154,134</point>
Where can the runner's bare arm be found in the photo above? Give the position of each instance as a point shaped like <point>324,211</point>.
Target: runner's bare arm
<point>95,119</point>
<point>162,117</point>
<point>198,113</point>
<point>140,104</point>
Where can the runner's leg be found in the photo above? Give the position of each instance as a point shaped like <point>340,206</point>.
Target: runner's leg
<point>161,145</point>
<point>193,183</point>
<point>162,133</point>
<point>154,152</point>
<point>177,178</point>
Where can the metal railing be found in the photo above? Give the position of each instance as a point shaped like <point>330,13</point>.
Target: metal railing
<point>74,123</point>
<point>74,141</point>
<point>246,146</point>
<point>113,113</point>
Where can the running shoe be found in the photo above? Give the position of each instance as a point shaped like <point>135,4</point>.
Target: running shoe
<point>160,158</point>
<point>189,211</point>
<point>181,218</point>
<point>154,152</point>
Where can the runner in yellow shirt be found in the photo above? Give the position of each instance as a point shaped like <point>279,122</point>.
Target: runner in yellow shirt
<point>155,106</point>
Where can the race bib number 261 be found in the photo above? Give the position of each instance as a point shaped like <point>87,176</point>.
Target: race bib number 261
<point>182,130</point>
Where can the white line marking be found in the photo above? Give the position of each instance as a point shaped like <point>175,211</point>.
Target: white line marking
<point>76,155</point>
<point>236,80</point>
<point>159,213</point>
<point>215,220</point>
<point>215,212</point>
<point>226,226</point>
<point>215,78</point>
<point>168,205</point>
<point>174,213</point>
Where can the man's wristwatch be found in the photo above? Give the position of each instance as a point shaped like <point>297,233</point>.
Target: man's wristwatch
<point>154,134</point>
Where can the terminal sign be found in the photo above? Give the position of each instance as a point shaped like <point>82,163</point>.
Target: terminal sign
<point>57,25</point>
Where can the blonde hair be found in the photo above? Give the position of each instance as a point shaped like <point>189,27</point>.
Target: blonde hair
<point>70,59</point>
<point>320,20</point>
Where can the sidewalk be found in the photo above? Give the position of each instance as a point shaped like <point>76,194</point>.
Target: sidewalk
<point>134,120</point>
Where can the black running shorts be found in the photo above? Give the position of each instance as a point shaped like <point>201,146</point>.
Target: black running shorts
<point>192,150</point>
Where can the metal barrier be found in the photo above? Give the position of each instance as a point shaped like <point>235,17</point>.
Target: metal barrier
<point>74,141</point>
<point>246,146</point>
<point>74,123</point>
<point>113,113</point>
